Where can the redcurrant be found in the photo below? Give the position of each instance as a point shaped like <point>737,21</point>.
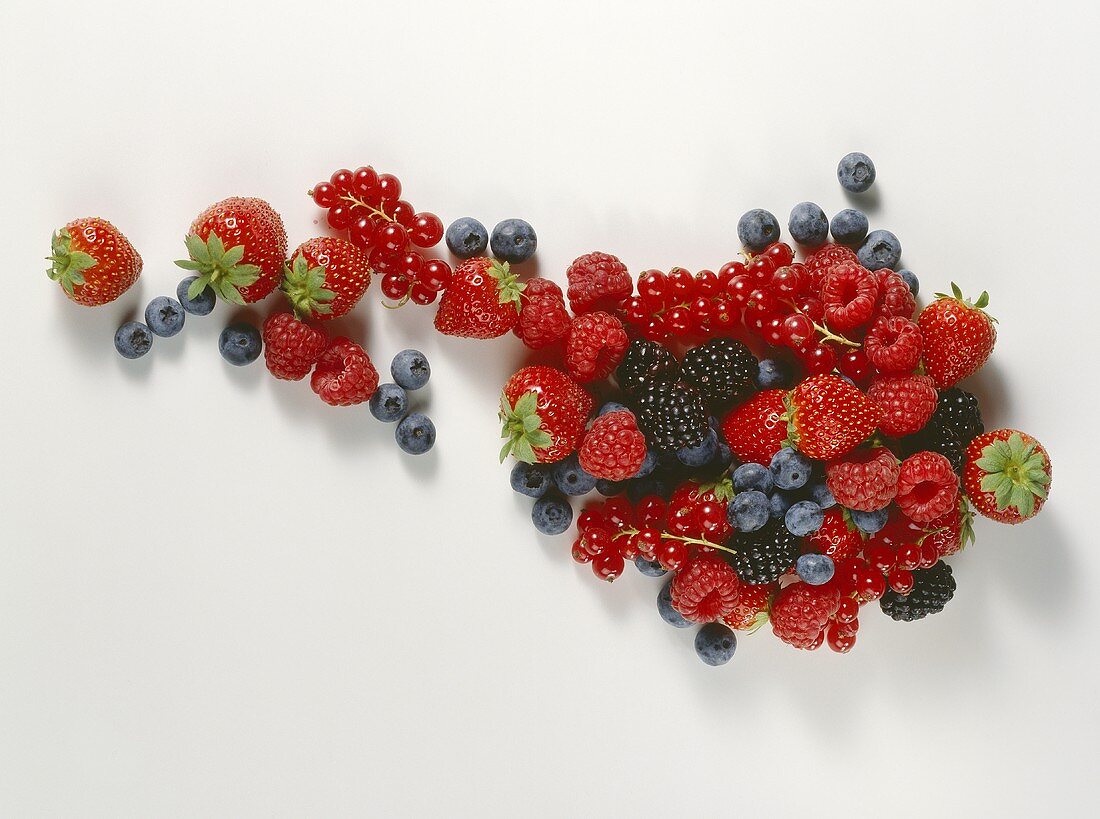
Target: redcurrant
<point>325,194</point>
<point>426,230</point>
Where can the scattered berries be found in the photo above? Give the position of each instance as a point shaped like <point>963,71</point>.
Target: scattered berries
<point>467,237</point>
<point>165,316</point>
<point>410,369</point>
<point>415,434</point>
<point>389,403</point>
<point>513,241</point>
<point>240,344</point>
<point>856,172</point>
<point>133,339</point>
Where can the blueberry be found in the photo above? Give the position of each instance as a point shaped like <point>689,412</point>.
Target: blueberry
<point>389,403</point>
<point>815,569</point>
<point>650,568</point>
<point>773,374</point>
<point>808,225</point>
<point>410,369</point>
<point>820,494</point>
<point>133,339</point>
<point>869,522</point>
<point>752,476</point>
<point>415,434</point>
<point>649,463</point>
<point>722,460</point>
<point>880,249</point>
<point>514,241</point>
<point>667,612</point>
<point>571,479</point>
<point>202,304</point>
<point>638,488</point>
<point>552,514</point>
<point>790,468</point>
<point>910,279</point>
<point>757,229</point>
<point>748,511</point>
<point>164,316</point>
<point>609,489</point>
<point>778,504</point>
<point>849,226</point>
<point>240,344</point>
<point>532,480</point>
<point>700,455</point>
<point>611,406</point>
<point>804,518</point>
<point>467,237</point>
<point>856,172</point>
<point>715,644</point>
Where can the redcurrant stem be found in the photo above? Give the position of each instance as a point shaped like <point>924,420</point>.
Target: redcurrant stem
<point>401,303</point>
<point>695,541</point>
<point>374,211</point>
<point>828,335</point>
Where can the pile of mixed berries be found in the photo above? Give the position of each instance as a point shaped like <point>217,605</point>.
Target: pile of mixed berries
<point>785,437</point>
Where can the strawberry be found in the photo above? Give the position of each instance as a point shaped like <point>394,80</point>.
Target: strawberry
<point>751,611</point>
<point>1007,475</point>
<point>238,248</point>
<point>755,431</point>
<point>325,278</point>
<point>482,301</point>
<point>837,537</point>
<point>544,413</point>
<point>958,337</point>
<point>827,417</point>
<point>93,261</point>
<point>952,530</point>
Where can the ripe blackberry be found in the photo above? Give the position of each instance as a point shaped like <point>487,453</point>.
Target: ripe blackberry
<point>722,369</point>
<point>762,556</point>
<point>645,363</point>
<point>932,589</point>
<point>958,411</point>
<point>939,439</point>
<point>671,415</point>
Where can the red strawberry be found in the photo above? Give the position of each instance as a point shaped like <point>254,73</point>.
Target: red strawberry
<point>344,374</point>
<point>952,530</point>
<point>544,413</point>
<point>93,261</point>
<point>755,431</point>
<point>237,247</point>
<point>614,447</point>
<point>837,537</point>
<point>325,278</point>
<point>597,281</point>
<point>958,337</point>
<point>291,348</point>
<point>907,402</point>
<point>751,611</point>
<point>1007,475</point>
<point>543,319</point>
<point>828,417</point>
<point>482,300</point>
<point>595,345</point>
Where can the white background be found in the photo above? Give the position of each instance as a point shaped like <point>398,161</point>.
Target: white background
<point>220,597</point>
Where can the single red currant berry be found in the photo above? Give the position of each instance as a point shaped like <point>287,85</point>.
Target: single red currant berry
<point>710,516</point>
<point>786,281</point>
<point>761,270</point>
<point>412,264</point>
<point>681,284</point>
<point>928,555</point>
<point>419,294</point>
<point>342,180</point>
<point>628,546</point>
<point>797,330</point>
<point>634,310</point>
<point>391,239</point>
<point>818,359</point>
<point>780,253</point>
<point>839,642</point>
<point>339,217</point>
<point>854,364</point>
<point>739,289</point>
<point>909,556</point>
<point>403,213</point>
<point>870,585</point>
<point>395,285</point>
<point>881,557</point>
<point>436,275</point>
<point>678,321</point>
<point>588,518</point>
<point>672,554</point>
<point>701,310</point>
<point>652,511</point>
<point>360,231</point>
<point>816,644</point>
<point>805,280</point>
<point>724,315</point>
<point>901,581</point>
<point>707,284</point>
<point>653,289</point>
<point>655,329</point>
<point>731,270</point>
<point>382,263</point>
<point>390,187</point>
<point>608,565</point>
<point>761,303</point>
<point>596,539</point>
<point>649,541</point>
<point>426,230</point>
<point>325,194</point>
<point>618,513</point>
<point>812,307</point>
<point>364,180</point>
<point>773,331</point>
<point>579,554</point>
<point>851,627</point>
<point>847,611</point>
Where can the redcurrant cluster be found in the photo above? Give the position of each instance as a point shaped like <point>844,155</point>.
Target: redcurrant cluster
<point>368,206</point>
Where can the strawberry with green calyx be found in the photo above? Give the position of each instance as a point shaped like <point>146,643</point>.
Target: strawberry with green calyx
<point>483,300</point>
<point>958,336</point>
<point>217,268</point>
<point>92,261</point>
<point>827,417</point>
<point>326,278</point>
<point>544,413</point>
<point>1007,475</point>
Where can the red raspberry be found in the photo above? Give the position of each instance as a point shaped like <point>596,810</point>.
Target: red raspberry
<point>837,537</point>
<point>756,430</point>
<point>894,345</point>
<point>865,480</point>
<point>543,318</point>
<point>907,402</point>
<point>822,260</point>
<point>800,613</point>
<point>597,281</point>
<point>751,611</point>
<point>705,590</point>
<point>895,297</point>
<point>849,292</point>
<point>594,347</point>
<point>291,347</point>
<point>344,374</point>
<point>613,448</point>
<point>927,487</point>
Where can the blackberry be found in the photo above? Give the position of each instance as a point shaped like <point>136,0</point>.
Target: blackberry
<point>762,556</point>
<point>722,369</point>
<point>939,439</point>
<point>932,589</point>
<point>671,415</point>
<point>645,363</point>
<point>958,411</point>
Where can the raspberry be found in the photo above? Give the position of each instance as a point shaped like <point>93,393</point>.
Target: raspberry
<point>613,448</point>
<point>927,487</point>
<point>907,402</point>
<point>537,287</point>
<point>291,347</point>
<point>866,480</point>
<point>822,260</point>
<point>756,430</point>
<point>894,345</point>
<point>895,297</point>
<point>705,590</point>
<point>597,281</point>
<point>800,613</point>
<point>595,345</point>
<point>751,611</point>
<point>344,374</point>
<point>543,319</point>
<point>849,292</point>
<point>837,537</point>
